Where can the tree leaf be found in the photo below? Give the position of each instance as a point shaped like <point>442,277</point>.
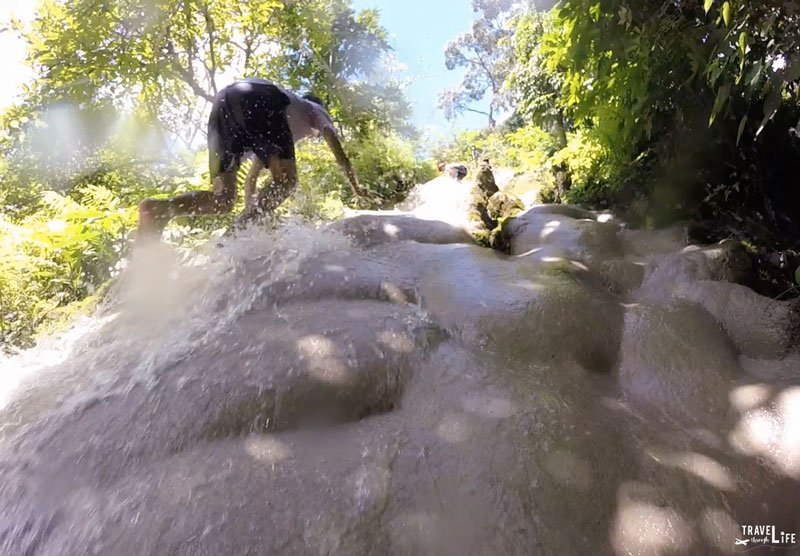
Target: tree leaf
<point>726,13</point>
<point>708,4</point>
<point>771,105</point>
<point>792,71</point>
<point>742,55</point>
<point>742,125</point>
<point>722,96</point>
<point>754,74</point>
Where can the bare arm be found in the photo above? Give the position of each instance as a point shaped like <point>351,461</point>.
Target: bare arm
<point>344,163</point>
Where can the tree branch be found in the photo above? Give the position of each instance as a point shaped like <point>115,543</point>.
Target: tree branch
<point>187,75</point>
<point>212,71</point>
<point>247,49</point>
<point>488,73</point>
<point>466,109</point>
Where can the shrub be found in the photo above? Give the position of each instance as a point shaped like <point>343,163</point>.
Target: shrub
<point>58,255</point>
<point>524,149</point>
<point>387,168</point>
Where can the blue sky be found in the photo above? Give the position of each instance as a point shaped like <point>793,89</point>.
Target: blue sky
<point>419,31</point>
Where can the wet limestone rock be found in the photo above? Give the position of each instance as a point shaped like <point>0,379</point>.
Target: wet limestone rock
<point>758,325</point>
<point>365,390</point>
<point>485,181</point>
<point>491,209</point>
<point>366,229</point>
<point>504,205</point>
<point>658,368</point>
<point>484,187</point>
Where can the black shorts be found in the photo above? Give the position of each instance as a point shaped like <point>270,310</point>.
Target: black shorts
<point>248,116</point>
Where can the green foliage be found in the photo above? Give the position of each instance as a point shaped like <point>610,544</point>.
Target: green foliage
<point>535,88</point>
<point>588,160</point>
<point>319,195</point>
<point>755,59</point>
<point>669,109</point>
<point>387,167</point>
<point>59,254</point>
<point>160,56</point>
<point>486,53</point>
<point>621,71</point>
<point>116,113</point>
<point>522,149</point>
<point>619,80</point>
<point>529,147</point>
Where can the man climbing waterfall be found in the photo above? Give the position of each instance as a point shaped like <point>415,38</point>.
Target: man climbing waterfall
<point>456,171</point>
<point>258,117</point>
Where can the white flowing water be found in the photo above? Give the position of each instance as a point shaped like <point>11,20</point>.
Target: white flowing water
<point>383,386</point>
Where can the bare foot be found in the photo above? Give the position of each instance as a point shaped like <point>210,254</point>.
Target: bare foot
<point>247,217</point>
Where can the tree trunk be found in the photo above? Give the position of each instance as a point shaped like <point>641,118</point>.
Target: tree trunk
<point>563,179</point>
<point>560,130</point>
<point>561,172</point>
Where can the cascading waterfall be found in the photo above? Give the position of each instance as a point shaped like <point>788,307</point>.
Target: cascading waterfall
<point>383,386</point>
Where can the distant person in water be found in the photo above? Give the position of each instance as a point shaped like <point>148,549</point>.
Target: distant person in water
<point>455,171</point>
<point>251,116</point>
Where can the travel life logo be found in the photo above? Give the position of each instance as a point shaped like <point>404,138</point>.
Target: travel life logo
<point>758,536</point>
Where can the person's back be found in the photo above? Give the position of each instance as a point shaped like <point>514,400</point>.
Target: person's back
<point>455,171</point>
<point>460,171</point>
<point>306,114</point>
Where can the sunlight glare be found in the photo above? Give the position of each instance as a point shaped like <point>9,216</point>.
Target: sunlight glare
<point>643,528</point>
<point>454,428</point>
<point>772,432</point>
<point>267,449</point>
<point>321,356</point>
<point>549,228</point>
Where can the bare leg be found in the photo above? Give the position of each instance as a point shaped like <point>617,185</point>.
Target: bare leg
<point>154,214</point>
<point>269,198</point>
<point>250,198</point>
<point>284,182</point>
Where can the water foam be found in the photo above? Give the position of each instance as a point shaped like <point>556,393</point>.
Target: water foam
<point>165,304</point>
